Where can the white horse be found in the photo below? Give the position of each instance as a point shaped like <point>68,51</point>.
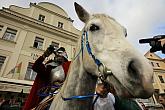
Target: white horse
<point>113,57</point>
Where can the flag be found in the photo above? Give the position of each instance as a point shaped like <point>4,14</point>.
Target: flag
<point>16,69</point>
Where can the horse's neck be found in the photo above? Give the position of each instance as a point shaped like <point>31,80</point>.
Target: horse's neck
<point>78,83</point>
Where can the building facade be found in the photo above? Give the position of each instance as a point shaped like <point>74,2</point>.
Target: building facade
<point>24,35</point>
<point>158,65</point>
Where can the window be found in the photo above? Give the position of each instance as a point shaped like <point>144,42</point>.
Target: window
<point>152,64</point>
<point>2,60</point>
<point>38,43</point>
<point>60,24</point>
<point>161,79</point>
<point>1,27</point>
<point>55,44</point>
<point>158,64</point>
<point>41,18</point>
<point>30,74</point>
<point>10,34</point>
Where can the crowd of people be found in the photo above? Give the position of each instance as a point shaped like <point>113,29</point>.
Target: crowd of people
<point>12,102</point>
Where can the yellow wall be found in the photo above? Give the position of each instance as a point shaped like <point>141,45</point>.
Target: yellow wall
<point>159,70</point>
<point>21,50</point>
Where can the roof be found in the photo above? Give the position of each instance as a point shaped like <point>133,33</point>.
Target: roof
<point>152,56</point>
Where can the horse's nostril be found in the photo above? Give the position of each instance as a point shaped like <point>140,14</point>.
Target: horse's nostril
<point>133,70</point>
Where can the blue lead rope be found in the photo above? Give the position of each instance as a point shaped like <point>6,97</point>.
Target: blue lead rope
<point>78,97</point>
<point>82,47</point>
<point>97,61</point>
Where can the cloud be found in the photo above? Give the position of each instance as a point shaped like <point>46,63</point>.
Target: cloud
<point>142,18</point>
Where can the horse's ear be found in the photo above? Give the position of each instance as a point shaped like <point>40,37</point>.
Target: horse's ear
<point>81,12</point>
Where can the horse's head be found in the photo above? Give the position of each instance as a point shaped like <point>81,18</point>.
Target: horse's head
<point>132,73</point>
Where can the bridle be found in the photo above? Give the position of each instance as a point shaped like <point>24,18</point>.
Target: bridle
<point>103,70</point>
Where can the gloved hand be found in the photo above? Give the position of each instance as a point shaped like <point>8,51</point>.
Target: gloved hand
<point>49,51</point>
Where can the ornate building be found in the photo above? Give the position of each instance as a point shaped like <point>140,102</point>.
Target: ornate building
<point>159,72</point>
<point>24,35</point>
<point>158,82</point>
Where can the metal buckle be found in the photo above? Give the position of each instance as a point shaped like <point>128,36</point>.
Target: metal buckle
<point>104,73</point>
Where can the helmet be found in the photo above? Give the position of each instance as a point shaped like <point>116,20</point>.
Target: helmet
<point>61,51</point>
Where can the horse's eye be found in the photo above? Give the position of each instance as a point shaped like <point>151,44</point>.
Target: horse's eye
<point>94,27</point>
<point>126,34</point>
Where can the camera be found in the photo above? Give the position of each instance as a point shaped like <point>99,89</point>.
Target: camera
<point>155,43</point>
<point>53,49</point>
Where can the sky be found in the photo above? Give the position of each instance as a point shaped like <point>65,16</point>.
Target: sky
<point>141,18</point>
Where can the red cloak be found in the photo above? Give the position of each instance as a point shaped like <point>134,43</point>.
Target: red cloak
<point>40,80</point>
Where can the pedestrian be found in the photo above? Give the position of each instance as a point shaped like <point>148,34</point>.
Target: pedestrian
<point>108,100</point>
<point>105,99</point>
<point>162,99</point>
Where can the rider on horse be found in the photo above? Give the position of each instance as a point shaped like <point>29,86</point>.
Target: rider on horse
<point>53,72</point>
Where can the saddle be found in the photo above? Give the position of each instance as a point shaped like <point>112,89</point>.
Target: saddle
<point>49,92</point>
<point>45,103</point>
